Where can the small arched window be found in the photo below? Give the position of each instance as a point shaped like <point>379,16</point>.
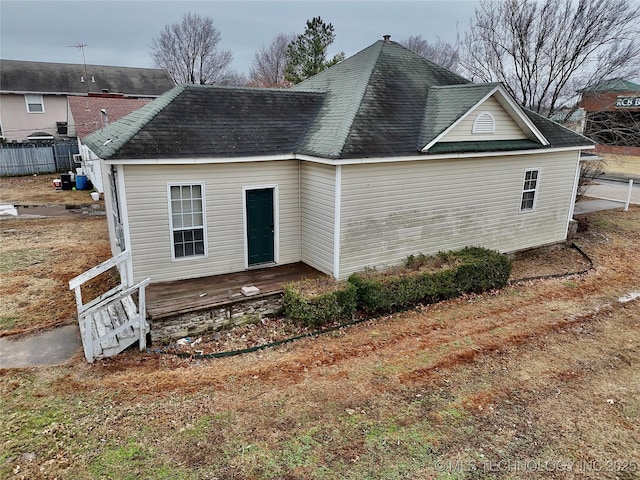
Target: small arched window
<point>484,123</point>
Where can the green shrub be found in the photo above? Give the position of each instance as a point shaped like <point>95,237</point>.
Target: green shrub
<point>320,301</point>
<point>481,270</point>
<point>385,293</point>
<point>431,279</point>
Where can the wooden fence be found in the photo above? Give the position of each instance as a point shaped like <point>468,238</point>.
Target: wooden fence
<point>30,158</point>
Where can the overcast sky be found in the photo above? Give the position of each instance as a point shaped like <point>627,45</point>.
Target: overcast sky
<point>120,32</point>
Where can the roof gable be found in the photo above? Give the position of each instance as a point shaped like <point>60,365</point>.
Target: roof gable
<point>467,100</point>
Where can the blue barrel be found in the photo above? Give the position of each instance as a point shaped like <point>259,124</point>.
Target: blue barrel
<point>81,182</point>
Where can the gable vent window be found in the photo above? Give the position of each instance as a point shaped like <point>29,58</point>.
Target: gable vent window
<point>35,103</point>
<point>484,123</point>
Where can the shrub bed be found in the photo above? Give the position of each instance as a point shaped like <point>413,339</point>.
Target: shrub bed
<point>319,301</point>
<point>421,280</point>
<point>472,270</point>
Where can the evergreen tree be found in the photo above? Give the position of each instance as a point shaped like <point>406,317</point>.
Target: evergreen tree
<point>307,54</point>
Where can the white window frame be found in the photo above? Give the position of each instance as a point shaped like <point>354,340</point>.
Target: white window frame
<point>34,98</point>
<point>526,190</point>
<point>173,229</point>
<point>479,124</point>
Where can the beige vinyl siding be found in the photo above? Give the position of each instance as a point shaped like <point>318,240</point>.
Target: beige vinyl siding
<point>390,211</point>
<point>18,124</point>
<point>148,214</point>
<point>317,194</point>
<point>506,127</point>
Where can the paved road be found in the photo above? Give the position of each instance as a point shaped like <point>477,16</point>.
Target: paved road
<point>612,190</point>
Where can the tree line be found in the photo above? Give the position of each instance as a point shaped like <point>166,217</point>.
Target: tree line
<point>543,51</point>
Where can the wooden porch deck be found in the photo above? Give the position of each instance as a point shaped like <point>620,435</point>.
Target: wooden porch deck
<point>167,299</point>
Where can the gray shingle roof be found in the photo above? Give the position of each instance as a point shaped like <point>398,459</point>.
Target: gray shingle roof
<point>66,78</point>
<point>385,101</point>
<point>375,102</point>
<point>197,121</point>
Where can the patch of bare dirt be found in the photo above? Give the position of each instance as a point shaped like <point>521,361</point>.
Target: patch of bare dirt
<point>560,259</point>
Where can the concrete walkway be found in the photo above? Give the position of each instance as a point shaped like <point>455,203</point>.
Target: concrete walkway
<point>588,206</point>
<point>54,347</point>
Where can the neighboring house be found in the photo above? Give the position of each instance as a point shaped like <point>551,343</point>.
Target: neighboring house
<point>573,119</point>
<point>613,115</point>
<point>379,157</point>
<point>34,95</point>
<point>92,113</point>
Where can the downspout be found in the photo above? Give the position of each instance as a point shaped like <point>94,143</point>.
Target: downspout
<point>299,210</point>
<point>336,221</point>
<point>573,196</point>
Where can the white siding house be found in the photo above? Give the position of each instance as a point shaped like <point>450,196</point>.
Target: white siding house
<point>355,167</point>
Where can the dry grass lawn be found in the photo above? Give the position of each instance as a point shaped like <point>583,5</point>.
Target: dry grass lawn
<point>539,380</point>
<point>38,256</point>
<point>623,165</point>
<point>39,190</point>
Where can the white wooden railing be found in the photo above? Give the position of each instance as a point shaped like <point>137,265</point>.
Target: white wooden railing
<point>111,322</point>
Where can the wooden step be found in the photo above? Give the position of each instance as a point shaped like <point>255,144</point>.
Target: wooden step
<point>118,316</point>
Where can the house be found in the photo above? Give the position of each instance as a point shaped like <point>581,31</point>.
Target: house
<point>612,109</point>
<point>572,118</point>
<point>92,113</point>
<point>381,156</point>
<point>34,95</point>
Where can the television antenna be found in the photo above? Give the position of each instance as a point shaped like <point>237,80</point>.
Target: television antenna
<point>81,46</point>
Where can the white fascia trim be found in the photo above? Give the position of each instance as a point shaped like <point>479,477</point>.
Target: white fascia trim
<point>200,161</point>
<point>337,200</point>
<point>422,158</point>
<point>454,124</point>
<point>343,161</point>
<point>124,218</point>
<point>521,119</point>
<point>520,115</point>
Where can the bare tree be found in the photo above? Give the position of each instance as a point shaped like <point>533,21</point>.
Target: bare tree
<point>233,78</point>
<point>269,64</point>
<point>188,51</point>
<point>441,53</point>
<point>590,170</point>
<point>613,116</point>
<point>543,51</point>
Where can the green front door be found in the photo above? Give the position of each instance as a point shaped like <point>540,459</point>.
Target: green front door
<point>260,226</point>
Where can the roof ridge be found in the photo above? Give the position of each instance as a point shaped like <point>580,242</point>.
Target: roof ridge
<point>322,81</point>
<point>128,127</point>
<point>348,122</point>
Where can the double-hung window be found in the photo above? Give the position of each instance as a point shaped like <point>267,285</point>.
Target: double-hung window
<point>529,190</point>
<point>186,203</point>
<point>35,103</point>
